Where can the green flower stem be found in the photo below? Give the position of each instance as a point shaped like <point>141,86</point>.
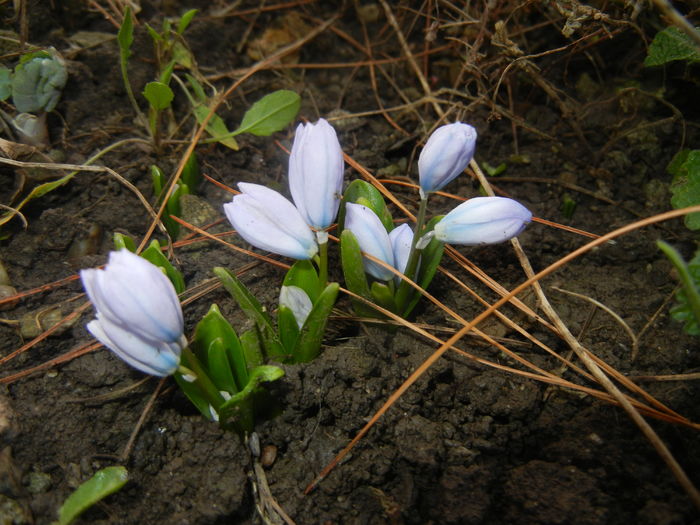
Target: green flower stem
<point>405,289</point>
<point>202,380</point>
<point>323,262</point>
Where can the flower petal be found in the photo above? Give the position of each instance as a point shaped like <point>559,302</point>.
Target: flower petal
<point>316,173</point>
<point>446,154</point>
<point>483,220</point>
<point>401,238</point>
<point>297,301</point>
<point>372,238</point>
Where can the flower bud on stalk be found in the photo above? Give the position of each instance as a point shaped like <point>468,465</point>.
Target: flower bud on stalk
<point>268,221</point>
<point>483,220</point>
<point>446,154</point>
<point>316,173</point>
<point>138,313</point>
<point>372,238</point>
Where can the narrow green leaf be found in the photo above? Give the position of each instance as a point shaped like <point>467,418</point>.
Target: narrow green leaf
<point>103,483</point>
<point>195,395</point>
<point>215,327</point>
<point>250,342</point>
<point>260,374</point>
<point>185,21</point>
<point>216,127</point>
<point>311,336</point>
<point>167,73</point>
<point>271,113</point>
<point>219,367</point>
<point>197,88</point>
<point>159,95</point>
<point>361,192</point>
<point>354,272</point>
<point>158,179</point>
<point>304,275</point>
<point>124,242</point>
<point>191,174</point>
<point>253,309</point>
<point>383,296</point>
<point>688,308</point>
<point>37,192</point>
<point>125,36</point>
<point>155,35</point>
<point>155,255</point>
<point>287,328</point>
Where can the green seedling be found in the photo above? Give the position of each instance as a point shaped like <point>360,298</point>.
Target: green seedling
<point>687,309</point>
<point>103,483</point>
<point>35,87</point>
<point>235,373</point>
<point>305,305</point>
<point>670,45</point>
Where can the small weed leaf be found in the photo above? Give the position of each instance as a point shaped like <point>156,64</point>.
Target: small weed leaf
<point>685,187</point>
<point>105,482</point>
<point>669,45</point>
<point>159,95</point>
<point>271,113</point>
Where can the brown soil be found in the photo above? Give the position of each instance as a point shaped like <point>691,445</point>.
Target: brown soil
<point>467,443</point>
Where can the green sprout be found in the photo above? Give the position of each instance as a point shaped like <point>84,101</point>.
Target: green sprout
<point>35,87</point>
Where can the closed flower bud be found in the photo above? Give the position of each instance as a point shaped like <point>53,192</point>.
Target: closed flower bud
<point>268,221</point>
<point>446,154</point>
<point>401,238</point>
<point>483,220</point>
<point>372,238</point>
<point>298,301</point>
<point>316,173</point>
<point>138,313</point>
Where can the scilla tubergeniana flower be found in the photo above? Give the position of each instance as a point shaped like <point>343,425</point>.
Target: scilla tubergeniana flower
<point>483,220</point>
<point>138,313</point>
<point>268,221</point>
<point>446,154</point>
<point>316,173</point>
<point>372,238</point>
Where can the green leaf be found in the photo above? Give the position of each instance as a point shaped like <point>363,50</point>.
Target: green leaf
<point>259,374</point>
<point>234,370</point>
<point>124,242</point>
<point>250,342</point>
<point>216,127</point>
<point>185,21</point>
<point>155,35</point>
<point>125,36</point>
<point>287,328</point>
<point>383,295</point>
<point>271,113</point>
<point>685,187</point>
<point>669,45</point>
<point>354,272</point>
<point>155,255</point>
<point>103,483</point>
<point>190,173</point>
<point>158,180</point>
<point>253,309</point>
<point>361,192</point>
<point>687,310</point>
<point>159,95</point>
<point>5,83</point>
<point>37,192</point>
<point>195,395</point>
<point>304,275</point>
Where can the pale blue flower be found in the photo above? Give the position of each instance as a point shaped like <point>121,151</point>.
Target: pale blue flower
<point>446,154</point>
<point>483,220</point>
<point>316,173</point>
<point>372,238</point>
<point>401,238</point>
<point>138,316</point>
<point>268,221</point>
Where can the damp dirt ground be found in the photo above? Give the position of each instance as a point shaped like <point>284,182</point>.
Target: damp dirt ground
<point>467,443</point>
